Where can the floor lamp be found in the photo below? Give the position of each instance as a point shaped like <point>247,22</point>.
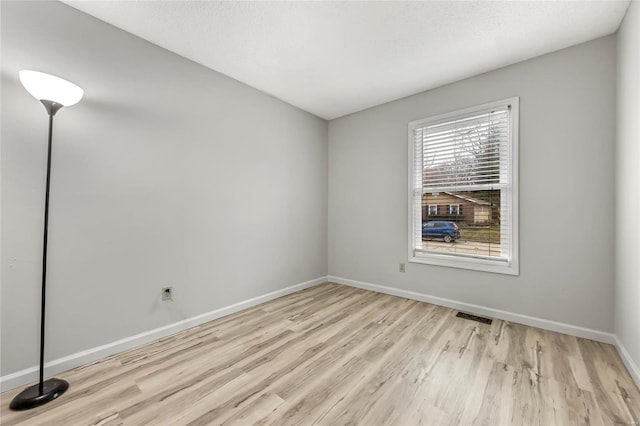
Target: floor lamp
<point>54,93</point>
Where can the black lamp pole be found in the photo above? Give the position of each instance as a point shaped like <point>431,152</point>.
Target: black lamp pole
<point>45,391</point>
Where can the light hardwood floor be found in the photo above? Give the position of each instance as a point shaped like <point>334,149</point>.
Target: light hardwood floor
<point>336,355</point>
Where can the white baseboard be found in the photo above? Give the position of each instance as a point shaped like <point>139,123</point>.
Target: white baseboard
<point>634,369</point>
<point>20,378</point>
<point>569,329</point>
<point>28,375</point>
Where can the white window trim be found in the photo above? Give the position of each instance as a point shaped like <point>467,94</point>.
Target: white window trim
<point>510,267</point>
<point>451,206</point>
<point>429,209</point>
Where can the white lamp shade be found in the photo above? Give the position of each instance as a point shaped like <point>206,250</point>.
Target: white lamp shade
<point>50,88</point>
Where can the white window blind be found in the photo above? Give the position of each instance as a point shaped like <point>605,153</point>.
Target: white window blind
<point>466,160</point>
<point>469,153</point>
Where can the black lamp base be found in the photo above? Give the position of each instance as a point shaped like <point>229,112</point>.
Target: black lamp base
<point>30,397</point>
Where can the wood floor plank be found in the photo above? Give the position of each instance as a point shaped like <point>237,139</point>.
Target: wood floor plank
<point>336,355</point>
<point>385,366</point>
<point>497,401</point>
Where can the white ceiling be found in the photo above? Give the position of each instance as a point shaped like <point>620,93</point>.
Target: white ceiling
<point>334,58</point>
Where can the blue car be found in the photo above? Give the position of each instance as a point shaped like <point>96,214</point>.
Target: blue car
<point>446,230</point>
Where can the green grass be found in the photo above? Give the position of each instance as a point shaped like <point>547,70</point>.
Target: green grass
<point>483,234</point>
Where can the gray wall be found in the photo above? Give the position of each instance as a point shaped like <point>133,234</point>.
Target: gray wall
<point>567,130</point>
<point>627,319</point>
<point>166,173</point>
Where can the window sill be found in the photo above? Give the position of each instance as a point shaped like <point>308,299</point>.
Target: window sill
<point>475,264</point>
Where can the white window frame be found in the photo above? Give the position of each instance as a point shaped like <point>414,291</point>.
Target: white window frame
<point>451,208</point>
<point>429,210</point>
<point>511,265</point>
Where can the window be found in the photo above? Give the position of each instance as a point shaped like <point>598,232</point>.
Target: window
<point>467,159</point>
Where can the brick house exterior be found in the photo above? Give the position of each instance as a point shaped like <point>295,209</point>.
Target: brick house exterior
<point>472,208</point>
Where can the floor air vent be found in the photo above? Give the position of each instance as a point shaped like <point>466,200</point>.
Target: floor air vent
<point>471,317</point>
